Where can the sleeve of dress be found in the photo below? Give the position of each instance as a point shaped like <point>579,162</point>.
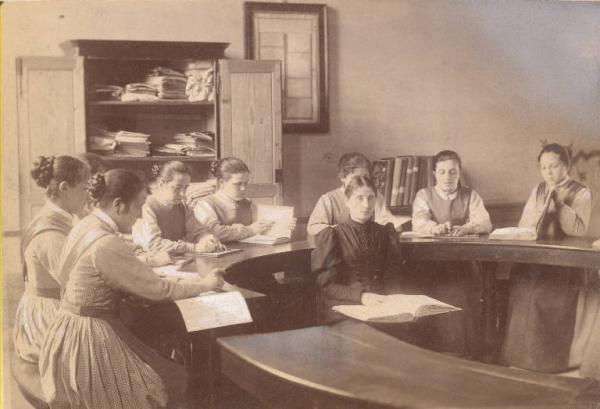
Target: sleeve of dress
<point>194,229</point>
<point>147,234</point>
<point>575,219</point>
<point>121,270</point>
<point>479,218</point>
<point>531,214</point>
<point>49,249</point>
<point>325,262</point>
<point>384,216</point>
<point>207,216</point>
<point>321,216</point>
<point>421,214</point>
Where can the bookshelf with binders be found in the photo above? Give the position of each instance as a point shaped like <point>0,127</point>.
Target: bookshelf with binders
<point>398,180</point>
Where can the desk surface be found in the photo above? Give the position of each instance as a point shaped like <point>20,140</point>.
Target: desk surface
<point>574,252</point>
<point>354,365</point>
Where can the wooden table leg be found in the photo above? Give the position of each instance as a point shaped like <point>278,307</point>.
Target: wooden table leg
<point>489,316</point>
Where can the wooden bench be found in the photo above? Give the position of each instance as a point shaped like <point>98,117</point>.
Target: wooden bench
<point>27,376</point>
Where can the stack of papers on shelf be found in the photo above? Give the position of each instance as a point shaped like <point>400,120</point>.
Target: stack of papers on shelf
<point>214,310</point>
<point>105,92</point>
<point>132,143</point>
<point>102,141</point>
<point>396,308</point>
<point>198,144</point>
<point>138,91</point>
<point>514,233</point>
<point>169,84</point>
<point>279,232</point>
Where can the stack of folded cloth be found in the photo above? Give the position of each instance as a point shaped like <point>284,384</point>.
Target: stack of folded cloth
<point>132,143</point>
<point>138,91</point>
<point>169,84</point>
<point>200,81</point>
<point>102,141</point>
<point>105,92</point>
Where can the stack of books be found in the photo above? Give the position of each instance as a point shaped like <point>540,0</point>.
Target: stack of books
<point>132,143</point>
<point>399,179</point>
<point>199,144</point>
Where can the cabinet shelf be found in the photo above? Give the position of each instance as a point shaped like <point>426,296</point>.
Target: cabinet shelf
<point>123,158</point>
<point>162,102</point>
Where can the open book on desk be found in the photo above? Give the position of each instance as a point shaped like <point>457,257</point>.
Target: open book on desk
<point>279,232</point>
<point>396,308</point>
<point>514,233</point>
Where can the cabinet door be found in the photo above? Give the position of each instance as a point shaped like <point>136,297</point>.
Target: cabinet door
<point>250,123</point>
<point>51,119</point>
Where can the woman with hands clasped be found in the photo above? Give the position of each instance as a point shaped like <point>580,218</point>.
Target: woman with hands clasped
<point>451,208</point>
<point>355,259</point>
<point>543,299</point>
<point>89,358</point>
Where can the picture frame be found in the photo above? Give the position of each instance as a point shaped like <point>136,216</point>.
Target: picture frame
<point>296,35</point>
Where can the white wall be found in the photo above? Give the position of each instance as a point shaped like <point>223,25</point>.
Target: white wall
<point>489,79</point>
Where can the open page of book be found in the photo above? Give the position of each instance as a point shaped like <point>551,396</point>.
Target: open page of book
<point>279,232</point>
<point>281,216</point>
<point>214,311</point>
<point>396,308</point>
<point>513,233</point>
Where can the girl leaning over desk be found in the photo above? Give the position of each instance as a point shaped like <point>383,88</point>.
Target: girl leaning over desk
<point>451,208</point>
<point>89,359</point>
<point>167,222</point>
<point>65,179</point>
<point>543,299</point>
<point>228,213</point>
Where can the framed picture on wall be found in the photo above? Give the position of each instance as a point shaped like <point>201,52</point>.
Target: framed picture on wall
<point>296,35</point>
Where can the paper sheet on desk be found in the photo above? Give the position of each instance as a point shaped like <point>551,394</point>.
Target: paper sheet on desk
<point>214,311</point>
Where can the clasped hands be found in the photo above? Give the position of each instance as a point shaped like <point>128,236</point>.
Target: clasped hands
<point>448,229</point>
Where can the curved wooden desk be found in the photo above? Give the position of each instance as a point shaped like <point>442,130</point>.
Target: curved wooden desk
<point>352,365</point>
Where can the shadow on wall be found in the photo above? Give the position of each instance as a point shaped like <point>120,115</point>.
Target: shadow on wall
<point>586,169</point>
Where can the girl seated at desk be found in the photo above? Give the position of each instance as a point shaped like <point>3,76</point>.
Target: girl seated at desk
<point>167,223</point>
<point>65,179</point>
<point>331,208</point>
<point>227,213</point>
<point>543,299</point>
<point>454,209</point>
<point>89,359</point>
<point>353,258</point>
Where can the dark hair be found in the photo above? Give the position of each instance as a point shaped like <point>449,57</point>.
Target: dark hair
<point>49,172</point>
<point>562,151</point>
<point>167,170</point>
<point>224,168</point>
<point>356,183</point>
<point>446,155</point>
<point>350,161</point>
<point>94,161</point>
<point>116,183</point>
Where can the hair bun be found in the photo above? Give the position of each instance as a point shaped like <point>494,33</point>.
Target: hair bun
<point>43,171</point>
<point>214,167</point>
<point>155,170</point>
<point>97,187</point>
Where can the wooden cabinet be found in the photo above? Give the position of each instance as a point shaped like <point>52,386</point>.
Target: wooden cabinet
<point>59,113</point>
